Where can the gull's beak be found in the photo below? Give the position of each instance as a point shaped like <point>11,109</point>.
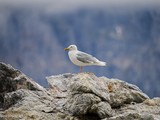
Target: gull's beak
<point>66,49</point>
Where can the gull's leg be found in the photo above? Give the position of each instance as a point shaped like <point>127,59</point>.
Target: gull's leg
<point>81,68</point>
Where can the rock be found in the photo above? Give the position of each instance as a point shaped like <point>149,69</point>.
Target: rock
<point>152,102</point>
<point>80,104</point>
<point>104,110</point>
<point>81,96</point>
<point>138,111</point>
<point>88,94</point>
<point>131,116</point>
<point>122,92</point>
<point>88,83</point>
<point>29,105</point>
<point>12,80</point>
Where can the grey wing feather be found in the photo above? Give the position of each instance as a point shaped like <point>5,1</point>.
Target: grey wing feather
<point>86,58</point>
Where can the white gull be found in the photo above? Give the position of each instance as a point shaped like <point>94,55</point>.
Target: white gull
<point>81,58</point>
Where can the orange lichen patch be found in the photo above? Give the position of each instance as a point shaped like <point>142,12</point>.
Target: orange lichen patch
<point>110,87</point>
<point>149,102</point>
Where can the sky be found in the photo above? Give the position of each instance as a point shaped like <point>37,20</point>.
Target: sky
<point>63,5</point>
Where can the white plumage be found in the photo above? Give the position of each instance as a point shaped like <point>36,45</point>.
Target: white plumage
<point>81,58</point>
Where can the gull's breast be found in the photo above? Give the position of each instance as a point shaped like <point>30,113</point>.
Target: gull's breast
<point>72,56</point>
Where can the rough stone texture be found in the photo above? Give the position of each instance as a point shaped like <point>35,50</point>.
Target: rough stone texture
<point>139,111</point>
<point>81,96</point>
<point>12,80</point>
<point>121,92</point>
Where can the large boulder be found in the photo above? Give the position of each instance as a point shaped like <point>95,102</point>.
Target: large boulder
<point>81,96</point>
<point>88,94</point>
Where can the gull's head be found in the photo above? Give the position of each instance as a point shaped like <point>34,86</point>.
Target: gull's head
<point>71,47</point>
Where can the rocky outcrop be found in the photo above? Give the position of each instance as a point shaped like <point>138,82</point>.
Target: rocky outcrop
<point>81,96</point>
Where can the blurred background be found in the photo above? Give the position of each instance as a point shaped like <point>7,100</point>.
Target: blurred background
<point>124,33</point>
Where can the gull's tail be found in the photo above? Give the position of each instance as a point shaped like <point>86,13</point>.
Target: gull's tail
<point>101,63</point>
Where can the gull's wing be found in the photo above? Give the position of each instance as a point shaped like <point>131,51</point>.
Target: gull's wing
<point>86,58</point>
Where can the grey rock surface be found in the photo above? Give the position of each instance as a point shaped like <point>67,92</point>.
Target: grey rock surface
<point>81,96</point>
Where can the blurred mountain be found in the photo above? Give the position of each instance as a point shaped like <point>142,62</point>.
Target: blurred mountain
<point>129,41</point>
